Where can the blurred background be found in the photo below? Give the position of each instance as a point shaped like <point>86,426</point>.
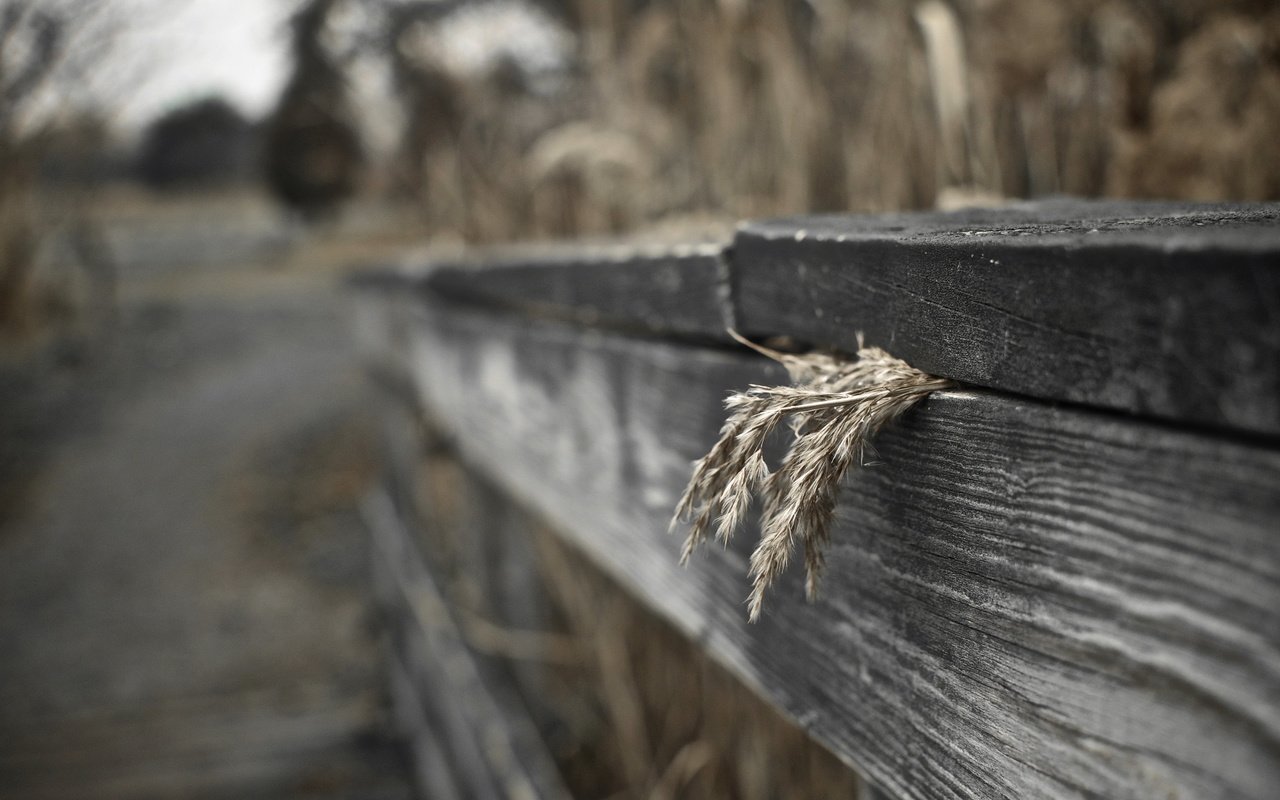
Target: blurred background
<point>474,121</point>
<point>184,429</point>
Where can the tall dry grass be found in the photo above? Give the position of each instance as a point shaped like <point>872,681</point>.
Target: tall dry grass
<point>735,108</point>
<point>19,241</point>
<point>648,715</point>
<point>628,707</point>
<point>834,409</point>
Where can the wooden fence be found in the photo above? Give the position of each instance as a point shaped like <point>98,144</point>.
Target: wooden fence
<point>1061,579</point>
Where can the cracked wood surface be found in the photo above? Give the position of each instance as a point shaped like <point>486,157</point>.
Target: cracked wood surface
<point>1158,309</point>
<point>1022,600</point>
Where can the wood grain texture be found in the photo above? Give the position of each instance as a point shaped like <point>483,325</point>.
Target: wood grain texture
<point>1164,310</point>
<point>491,747</point>
<point>1022,601</point>
<point>677,291</point>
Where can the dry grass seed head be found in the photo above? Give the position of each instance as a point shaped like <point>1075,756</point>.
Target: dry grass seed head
<point>835,408</point>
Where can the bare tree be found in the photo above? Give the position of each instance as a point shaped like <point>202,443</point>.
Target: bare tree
<point>314,154</point>
<point>47,48</point>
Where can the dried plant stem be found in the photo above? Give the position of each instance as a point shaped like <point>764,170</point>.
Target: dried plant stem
<point>835,408</point>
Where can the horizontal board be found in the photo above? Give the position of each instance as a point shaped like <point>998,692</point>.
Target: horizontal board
<point>678,291</point>
<point>1022,600</point>
<point>1166,310</point>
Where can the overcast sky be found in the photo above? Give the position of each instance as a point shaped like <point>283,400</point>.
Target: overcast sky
<point>173,51</point>
<point>170,52</point>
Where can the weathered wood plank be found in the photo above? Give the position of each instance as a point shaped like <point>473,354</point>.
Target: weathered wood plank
<point>1169,310</point>
<point>430,760</point>
<point>493,748</point>
<point>380,309</point>
<point>673,290</point>
<point>1022,600</point>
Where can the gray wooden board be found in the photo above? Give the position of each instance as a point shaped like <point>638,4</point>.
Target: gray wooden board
<point>1168,310</point>
<point>494,747</point>
<point>379,320</point>
<point>678,290</point>
<point>1022,600</point>
<point>452,704</point>
<point>430,761</point>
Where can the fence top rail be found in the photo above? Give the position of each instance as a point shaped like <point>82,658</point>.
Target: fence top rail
<point>1164,310</point>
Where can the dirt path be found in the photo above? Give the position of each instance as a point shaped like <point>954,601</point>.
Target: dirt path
<point>182,608</point>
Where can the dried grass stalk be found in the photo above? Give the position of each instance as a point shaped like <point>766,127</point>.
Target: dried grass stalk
<point>834,408</point>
